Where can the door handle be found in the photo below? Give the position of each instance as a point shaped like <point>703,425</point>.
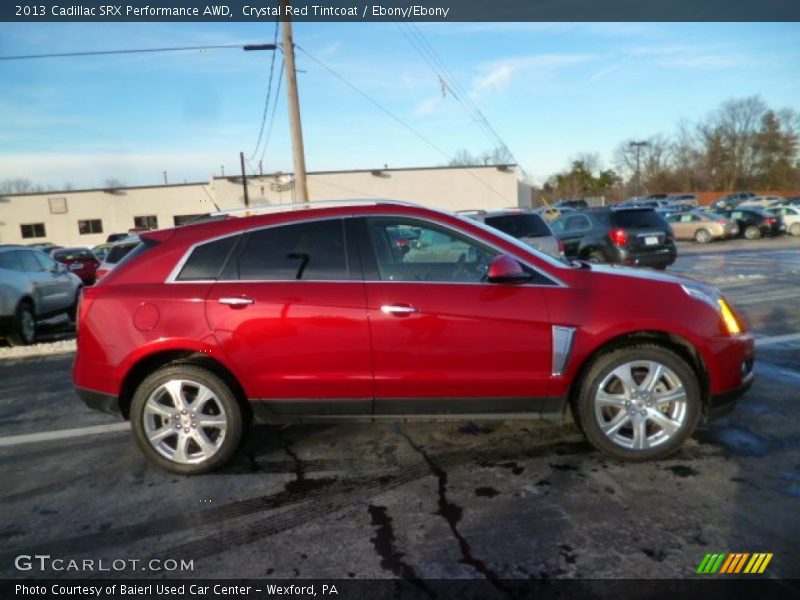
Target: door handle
<point>398,310</point>
<point>236,302</point>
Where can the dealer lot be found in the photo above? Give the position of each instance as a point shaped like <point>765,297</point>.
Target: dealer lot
<point>489,500</point>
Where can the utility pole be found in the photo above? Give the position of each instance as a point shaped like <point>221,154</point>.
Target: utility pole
<point>301,190</point>
<point>244,181</point>
<point>638,145</point>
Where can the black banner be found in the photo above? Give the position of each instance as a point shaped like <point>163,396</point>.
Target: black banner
<point>401,10</point>
<point>722,588</point>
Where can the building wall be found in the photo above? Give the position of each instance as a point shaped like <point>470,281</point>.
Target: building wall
<point>116,209</point>
<point>448,188</point>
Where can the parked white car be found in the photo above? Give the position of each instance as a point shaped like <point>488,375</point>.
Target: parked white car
<point>525,225</point>
<point>789,216</point>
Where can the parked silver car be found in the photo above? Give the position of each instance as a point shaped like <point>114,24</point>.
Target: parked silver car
<point>33,286</point>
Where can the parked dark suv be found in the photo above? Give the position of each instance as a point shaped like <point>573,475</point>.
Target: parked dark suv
<point>630,236</point>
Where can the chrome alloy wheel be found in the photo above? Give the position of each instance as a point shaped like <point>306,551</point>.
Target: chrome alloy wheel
<point>640,404</point>
<point>184,421</point>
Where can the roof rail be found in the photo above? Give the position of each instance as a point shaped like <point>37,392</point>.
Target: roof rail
<point>471,211</point>
<point>260,209</point>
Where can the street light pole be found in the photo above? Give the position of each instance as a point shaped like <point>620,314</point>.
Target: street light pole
<point>638,145</point>
<point>301,189</point>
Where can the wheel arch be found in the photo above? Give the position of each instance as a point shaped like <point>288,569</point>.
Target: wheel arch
<point>671,341</point>
<point>153,362</point>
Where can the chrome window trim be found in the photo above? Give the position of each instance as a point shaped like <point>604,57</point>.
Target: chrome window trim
<point>172,276</point>
<point>563,338</point>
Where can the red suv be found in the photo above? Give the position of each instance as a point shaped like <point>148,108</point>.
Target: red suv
<point>318,314</point>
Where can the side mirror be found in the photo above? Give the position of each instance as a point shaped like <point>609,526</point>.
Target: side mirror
<point>505,269</point>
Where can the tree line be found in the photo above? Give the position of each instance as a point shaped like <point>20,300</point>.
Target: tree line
<point>741,145</point>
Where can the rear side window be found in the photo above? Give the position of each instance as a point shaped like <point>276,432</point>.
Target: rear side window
<point>520,226</point>
<point>303,251</point>
<point>207,260</point>
<point>10,261</point>
<point>638,219</point>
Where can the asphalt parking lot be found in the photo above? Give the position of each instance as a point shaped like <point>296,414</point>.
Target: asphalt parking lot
<point>491,500</point>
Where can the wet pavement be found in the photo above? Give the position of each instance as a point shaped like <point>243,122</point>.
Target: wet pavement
<point>488,500</point>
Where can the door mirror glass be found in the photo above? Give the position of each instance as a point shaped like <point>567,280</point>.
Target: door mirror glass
<point>505,269</point>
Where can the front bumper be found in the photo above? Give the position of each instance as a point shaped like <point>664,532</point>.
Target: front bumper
<point>107,403</point>
<point>721,404</point>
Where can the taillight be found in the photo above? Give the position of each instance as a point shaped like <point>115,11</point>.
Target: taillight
<point>560,246</point>
<point>722,222</point>
<point>619,237</point>
<point>770,220</point>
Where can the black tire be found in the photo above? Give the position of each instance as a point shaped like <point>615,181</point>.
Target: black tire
<point>72,311</point>
<point>596,256</point>
<point>601,369</point>
<point>24,329</point>
<point>702,236</point>
<point>192,375</point>
<point>751,232</point>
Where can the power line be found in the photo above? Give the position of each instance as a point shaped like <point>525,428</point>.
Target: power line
<point>274,110</point>
<point>138,50</point>
<point>269,91</point>
<point>440,68</point>
<point>394,117</point>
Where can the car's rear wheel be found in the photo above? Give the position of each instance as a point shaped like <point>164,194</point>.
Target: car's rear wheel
<point>794,229</point>
<point>752,232</point>
<point>186,419</point>
<point>24,332</point>
<point>596,256</point>
<point>702,236</point>
<point>639,403</point>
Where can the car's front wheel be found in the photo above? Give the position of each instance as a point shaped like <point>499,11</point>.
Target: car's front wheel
<point>24,332</point>
<point>639,403</point>
<point>186,419</point>
<point>752,232</point>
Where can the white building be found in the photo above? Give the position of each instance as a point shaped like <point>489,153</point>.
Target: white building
<point>86,217</point>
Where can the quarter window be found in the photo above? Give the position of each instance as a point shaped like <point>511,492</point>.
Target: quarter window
<point>88,226</point>
<point>416,251</point>
<point>207,260</point>
<point>305,251</point>
<point>33,230</point>
<point>146,222</point>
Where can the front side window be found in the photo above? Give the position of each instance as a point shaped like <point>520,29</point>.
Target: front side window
<point>432,253</point>
<point>32,230</point>
<point>29,262</point>
<point>304,251</point>
<point>146,222</point>
<point>576,223</point>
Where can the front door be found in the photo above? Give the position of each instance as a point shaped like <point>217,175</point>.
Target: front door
<point>289,311</point>
<point>444,339</point>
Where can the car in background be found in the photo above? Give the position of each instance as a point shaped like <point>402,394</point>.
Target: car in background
<point>671,209</point>
<point>731,201</point>
<point>101,250</point>
<point>792,201</point>
<point>44,246</point>
<point>701,226</point>
<point>80,261</point>
<point>579,204</point>
<point>548,213</point>
<point>789,217</point>
<point>116,237</point>
<point>33,286</point>
<point>629,236</point>
<point>682,200</point>
<point>762,201</point>
<point>115,254</point>
<point>753,223</point>
<point>525,225</point>
<point>307,314</point>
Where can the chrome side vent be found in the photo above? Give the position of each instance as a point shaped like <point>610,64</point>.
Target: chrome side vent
<point>562,347</point>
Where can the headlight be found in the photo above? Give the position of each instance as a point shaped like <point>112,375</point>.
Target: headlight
<point>731,324</point>
<point>715,300</point>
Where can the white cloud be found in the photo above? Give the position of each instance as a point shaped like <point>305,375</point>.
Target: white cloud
<point>497,75</point>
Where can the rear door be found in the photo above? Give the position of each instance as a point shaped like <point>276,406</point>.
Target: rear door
<point>444,339</point>
<point>289,312</point>
<point>571,229</point>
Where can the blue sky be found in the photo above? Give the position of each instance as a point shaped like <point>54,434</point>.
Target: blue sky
<point>551,91</point>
